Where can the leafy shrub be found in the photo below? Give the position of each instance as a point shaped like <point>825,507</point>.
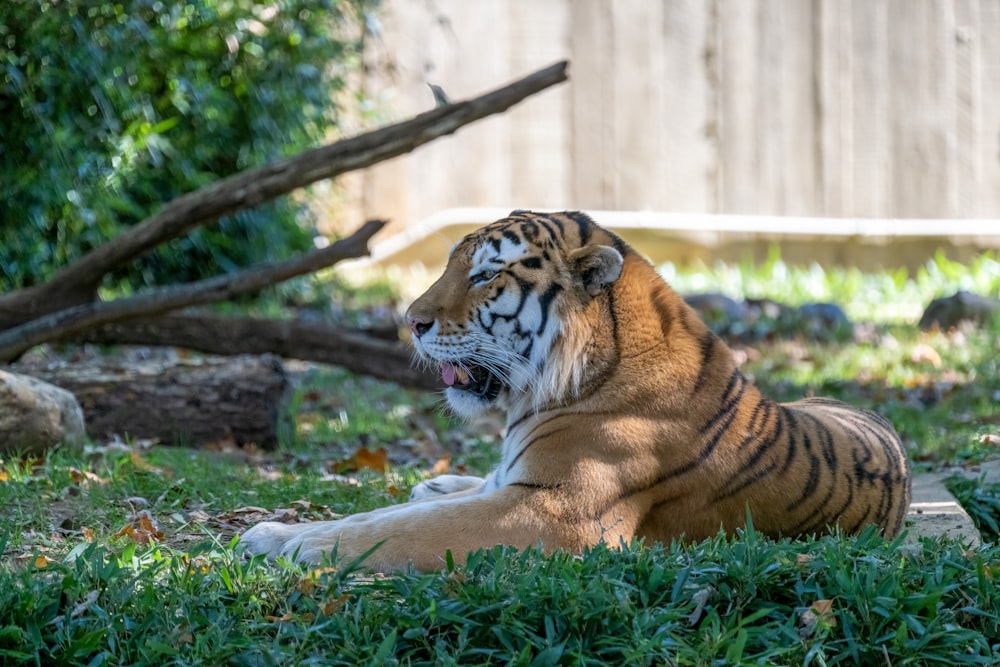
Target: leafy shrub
<point>113,108</point>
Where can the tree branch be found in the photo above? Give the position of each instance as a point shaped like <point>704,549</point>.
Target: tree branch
<point>77,282</point>
<point>13,342</point>
<point>293,339</point>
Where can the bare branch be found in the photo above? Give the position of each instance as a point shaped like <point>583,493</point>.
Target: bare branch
<point>76,282</point>
<point>13,342</point>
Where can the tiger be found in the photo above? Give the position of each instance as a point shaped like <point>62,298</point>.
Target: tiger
<point>627,418</point>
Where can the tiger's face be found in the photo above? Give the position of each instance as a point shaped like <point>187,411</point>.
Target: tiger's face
<point>494,321</point>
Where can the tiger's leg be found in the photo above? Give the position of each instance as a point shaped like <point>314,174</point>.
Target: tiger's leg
<point>443,485</point>
<point>420,533</point>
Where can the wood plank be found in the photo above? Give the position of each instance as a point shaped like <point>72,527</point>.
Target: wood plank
<point>540,129</point>
<point>785,141</point>
<point>638,151</point>
<point>689,150</point>
<point>921,105</point>
<point>739,180</point>
<point>987,42</point>
<point>592,90</point>
<point>968,105</point>
<point>869,110</point>
<point>832,39</point>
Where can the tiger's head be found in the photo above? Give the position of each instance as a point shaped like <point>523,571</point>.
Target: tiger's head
<point>508,322</point>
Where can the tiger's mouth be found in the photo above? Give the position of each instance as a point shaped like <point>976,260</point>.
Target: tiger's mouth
<point>472,378</point>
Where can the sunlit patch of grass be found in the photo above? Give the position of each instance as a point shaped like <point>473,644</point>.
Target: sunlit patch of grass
<point>888,296</point>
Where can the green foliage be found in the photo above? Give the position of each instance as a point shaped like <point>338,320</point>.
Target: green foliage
<point>981,499</point>
<point>111,109</point>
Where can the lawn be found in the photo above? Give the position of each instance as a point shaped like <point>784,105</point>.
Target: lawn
<point>124,553</point>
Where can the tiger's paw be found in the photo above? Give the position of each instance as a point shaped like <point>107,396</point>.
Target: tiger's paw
<point>273,539</point>
<point>443,485</point>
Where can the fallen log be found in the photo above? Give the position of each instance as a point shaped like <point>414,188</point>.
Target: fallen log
<point>309,341</point>
<point>240,400</point>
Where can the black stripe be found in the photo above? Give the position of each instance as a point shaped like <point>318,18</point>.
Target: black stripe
<point>532,441</point>
<point>584,225</point>
<point>720,422</point>
<point>534,485</point>
<point>707,345</point>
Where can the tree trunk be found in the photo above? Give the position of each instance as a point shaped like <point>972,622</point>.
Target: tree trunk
<point>241,400</point>
<point>356,351</point>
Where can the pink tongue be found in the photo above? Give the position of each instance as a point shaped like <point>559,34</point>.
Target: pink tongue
<point>448,373</point>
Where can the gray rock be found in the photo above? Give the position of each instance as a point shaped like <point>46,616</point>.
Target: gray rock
<point>948,311</point>
<point>36,415</point>
<point>713,306</point>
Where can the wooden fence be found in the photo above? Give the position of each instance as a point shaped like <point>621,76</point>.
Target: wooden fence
<point>863,108</point>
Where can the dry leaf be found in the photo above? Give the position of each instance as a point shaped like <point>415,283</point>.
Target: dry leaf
<point>922,352</point>
<point>332,606</point>
<point>376,460</point>
<point>802,560</point>
<point>88,534</point>
<point>142,464</point>
<point>442,465</point>
<point>85,603</point>
<point>41,562</point>
<point>143,529</point>
<point>820,611</point>
<point>990,439</point>
<point>700,599</point>
<point>85,477</point>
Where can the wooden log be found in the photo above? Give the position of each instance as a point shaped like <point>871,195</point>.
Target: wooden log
<point>356,351</point>
<point>188,402</point>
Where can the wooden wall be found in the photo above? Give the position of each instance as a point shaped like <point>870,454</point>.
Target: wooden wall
<point>846,108</point>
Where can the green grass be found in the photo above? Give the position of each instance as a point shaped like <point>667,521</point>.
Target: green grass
<point>891,296</point>
<point>80,585</point>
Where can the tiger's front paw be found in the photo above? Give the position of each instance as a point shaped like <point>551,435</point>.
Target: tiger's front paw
<point>443,485</point>
<point>274,539</point>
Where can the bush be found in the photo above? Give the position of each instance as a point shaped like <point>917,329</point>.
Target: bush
<point>113,108</point>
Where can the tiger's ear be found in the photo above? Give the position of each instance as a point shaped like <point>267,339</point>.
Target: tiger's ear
<point>596,267</point>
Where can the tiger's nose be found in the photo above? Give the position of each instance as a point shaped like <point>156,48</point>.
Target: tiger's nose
<point>418,326</point>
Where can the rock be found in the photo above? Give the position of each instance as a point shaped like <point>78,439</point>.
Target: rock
<point>819,318</point>
<point>35,415</point>
<point>946,312</point>
<point>713,307</point>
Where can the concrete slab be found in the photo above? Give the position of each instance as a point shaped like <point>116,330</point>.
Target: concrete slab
<point>935,512</point>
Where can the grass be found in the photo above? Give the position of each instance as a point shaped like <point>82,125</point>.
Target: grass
<point>121,555</point>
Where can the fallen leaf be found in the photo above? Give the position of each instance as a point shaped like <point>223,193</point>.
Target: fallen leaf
<point>442,465</point>
<point>364,458</point>
<point>334,605</point>
<point>85,603</point>
<point>922,352</point>
<point>142,464</point>
<point>41,562</point>
<point>819,612</point>
<point>990,439</point>
<point>143,529</point>
<point>85,477</point>
<point>700,599</point>
<point>88,534</point>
